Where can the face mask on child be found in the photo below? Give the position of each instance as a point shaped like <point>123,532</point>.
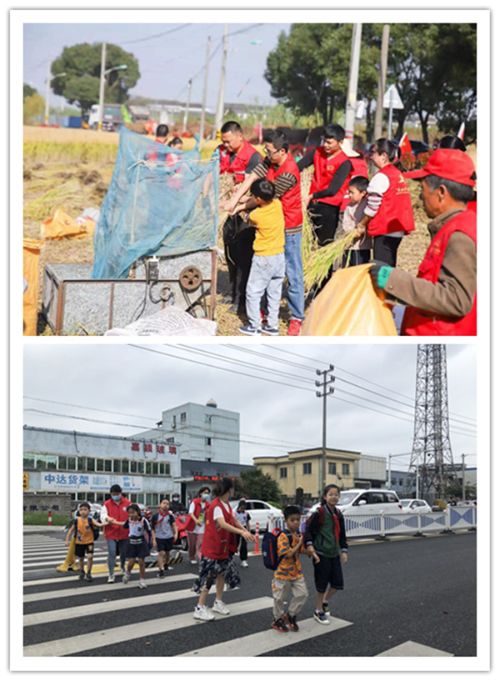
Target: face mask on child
<point>116,497</point>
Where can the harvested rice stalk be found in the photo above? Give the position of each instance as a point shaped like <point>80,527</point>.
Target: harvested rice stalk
<point>320,260</point>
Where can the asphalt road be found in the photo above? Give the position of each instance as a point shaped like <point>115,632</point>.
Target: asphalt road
<point>420,590</point>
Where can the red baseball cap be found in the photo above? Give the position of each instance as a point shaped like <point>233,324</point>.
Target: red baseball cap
<point>450,164</point>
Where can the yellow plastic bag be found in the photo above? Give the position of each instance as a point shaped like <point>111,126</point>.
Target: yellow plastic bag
<point>61,226</point>
<point>31,256</point>
<point>349,306</point>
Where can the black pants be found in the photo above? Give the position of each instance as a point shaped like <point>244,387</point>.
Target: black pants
<point>325,219</point>
<point>243,549</point>
<point>352,257</point>
<point>385,249</point>
<point>238,249</point>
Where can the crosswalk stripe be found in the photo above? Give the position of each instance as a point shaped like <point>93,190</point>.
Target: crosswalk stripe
<point>72,576</point>
<point>98,588</point>
<point>54,554</point>
<point>266,641</point>
<point>412,649</point>
<point>98,608</point>
<point>107,637</point>
<point>55,562</point>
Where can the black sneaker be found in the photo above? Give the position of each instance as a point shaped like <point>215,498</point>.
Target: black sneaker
<point>161,573</point>
<point>270,330</point>
<point>279,625</point>
<point>292,622</point>
<point>326,608</point>
<point>88,577</point>
<point>81,575</point>
<point>249,330</point>
<point>321,617</point>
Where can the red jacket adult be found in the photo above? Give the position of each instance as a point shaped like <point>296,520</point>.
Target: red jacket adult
<point>217,542</point>
<point>118,511</point>
<point>325,168</point>
<point>236,164</point>
<point>419,323</point>
<point>395,213</point>
<point>291,200</point>
<point>200,506</point>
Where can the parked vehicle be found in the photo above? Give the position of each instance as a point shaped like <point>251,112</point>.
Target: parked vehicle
<point>260,512</point>
<point>181,521</point>
<point>112,117</point>
<point>415,506</point>
<point>95,510</point>
<point>358,501</point>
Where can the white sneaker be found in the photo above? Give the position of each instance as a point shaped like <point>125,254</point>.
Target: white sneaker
<point>126,577</point>
<point>193,562</point>
<point>221,608</point>
<point>142,584</point>
<point>244,563</point>
<point>111,579</point>
<point>202,613</point>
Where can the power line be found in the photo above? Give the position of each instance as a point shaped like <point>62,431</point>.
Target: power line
<point>155,35</point>
<point>81,406</point>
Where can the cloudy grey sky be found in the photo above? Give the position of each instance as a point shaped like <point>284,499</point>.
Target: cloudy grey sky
<point>140,384</point>
<point>166,62</point>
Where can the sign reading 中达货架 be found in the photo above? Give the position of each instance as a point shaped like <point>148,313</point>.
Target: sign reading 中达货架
<point>84,482</point>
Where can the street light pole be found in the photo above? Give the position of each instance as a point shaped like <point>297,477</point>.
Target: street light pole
<point>219,115</point>
<point>186,112</point>
<point>463,477</point>
<point>101,87</point>
<point>326,390</point>
<point>352,92</point>
<point>205,88</point>
<point>384,52</point>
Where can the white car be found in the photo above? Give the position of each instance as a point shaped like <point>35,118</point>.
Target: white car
<point>365,501</point>
<point>415,506</point>
<point>259,512</point>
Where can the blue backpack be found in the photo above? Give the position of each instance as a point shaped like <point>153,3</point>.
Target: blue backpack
<point>270,548</point>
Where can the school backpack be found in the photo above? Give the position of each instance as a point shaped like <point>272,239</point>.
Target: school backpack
<point>95,530</point>
<point>270,548</point>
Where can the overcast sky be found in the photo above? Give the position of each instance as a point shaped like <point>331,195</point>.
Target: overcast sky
<point>167,62</point>
<point>141,383</point>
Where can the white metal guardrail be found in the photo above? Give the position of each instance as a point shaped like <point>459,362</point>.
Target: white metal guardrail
<point>386,524</point>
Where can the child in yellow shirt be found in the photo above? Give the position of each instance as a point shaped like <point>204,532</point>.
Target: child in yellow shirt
<point>268,262</point>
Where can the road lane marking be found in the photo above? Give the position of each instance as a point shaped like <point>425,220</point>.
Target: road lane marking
<point>266,641</point>
<point>99,588</point>
<point>72,575</point>
<point>128,632</point>
<point>412,649</point>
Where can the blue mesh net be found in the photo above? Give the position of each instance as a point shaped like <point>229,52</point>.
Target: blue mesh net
<point>160,200</point>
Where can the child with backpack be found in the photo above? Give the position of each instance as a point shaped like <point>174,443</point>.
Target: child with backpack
<point>325,541</point>
<point>281,551</point>
<point>139,538</point>
<point>164,535</point>
<point>86,531</point>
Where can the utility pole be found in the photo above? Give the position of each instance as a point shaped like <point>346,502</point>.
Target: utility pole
<point>219,114</point>
<point>384,53</point>
<point>463,477</point>
<point>352,91</point>
<point>326,389</point>
<point>47,95</point>
<point>102,83</point>
<point>205,88</point>
<point>188,103</point>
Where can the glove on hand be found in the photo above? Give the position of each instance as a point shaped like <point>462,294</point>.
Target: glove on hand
<point>380,273</point>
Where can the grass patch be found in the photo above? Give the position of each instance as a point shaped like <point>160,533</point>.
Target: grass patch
<point>78,152</point>
<point>40,518</point>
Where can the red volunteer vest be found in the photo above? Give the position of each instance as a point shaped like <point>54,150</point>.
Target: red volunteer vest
<point>291,200</point>
<point>118,512</point>
<point>325,168</point>
<point>395,213</point>
<point>359,169</point>
<point>238,164</point>
<point>420,323</point>
<point>216,542</point>
<point>198,506</point>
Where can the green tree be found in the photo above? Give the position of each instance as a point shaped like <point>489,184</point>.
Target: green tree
<point>82,66</point>
<point>33,109</point>
<point>255,484</point>
<point>28,90</point>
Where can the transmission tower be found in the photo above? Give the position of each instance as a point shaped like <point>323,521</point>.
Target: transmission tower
<point>431,452</point>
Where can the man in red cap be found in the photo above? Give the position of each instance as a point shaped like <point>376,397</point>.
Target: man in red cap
<point>441,299</point>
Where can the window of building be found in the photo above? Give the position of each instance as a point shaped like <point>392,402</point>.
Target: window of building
<point>400,482</point>
<point>332,468</point>
<point>41,464</point>
<point>174,421</point>
<point>133,466</point>
<point>283,472</point>
<point>99,465</point>
<point>154,468</point>
<point>91,497</point>
<point>108,465</point>
<point>133,498</point>
<point>117,466</point>
<point>170,440</point>
<point>81,463</point>
<point>90,465</point>
<point>72,463</point>
<point>63,463</point>
<point>208,419</point>
<point>140,466</point>
<point>125,466</point>
<point>166,468</point>
<point>183,417</point>
<point>100,497</point>
<point>345,469</point>
<point>306,468</point>
<point>149,468</point>
<point>29,462</point>
<point>208,441</point>
<point>149,500</point>
<point>393,481</point>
